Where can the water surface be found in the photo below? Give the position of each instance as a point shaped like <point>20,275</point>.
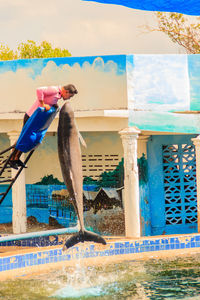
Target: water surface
<point>155,279</point>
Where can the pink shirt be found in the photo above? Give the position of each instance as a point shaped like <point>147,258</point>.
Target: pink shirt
<point>50,95</point>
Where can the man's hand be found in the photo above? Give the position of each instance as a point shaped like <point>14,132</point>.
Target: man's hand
<point>47,106</point>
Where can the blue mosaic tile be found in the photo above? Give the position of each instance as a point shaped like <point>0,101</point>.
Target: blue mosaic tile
<point>118,248</point>
<point>182,245</point>
<point>107,252</point>
<point>127,250</point>
<point>112,252</point>
<point>91,248</point>
<point>117,252</point>
<point>51,259</point>
<point>6,260</point>
<point>197,237</point>
<point>55,259</point>
<point>147,248</point>
<point>127,244</point>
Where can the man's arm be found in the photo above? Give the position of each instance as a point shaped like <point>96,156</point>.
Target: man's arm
<point>45,91</point>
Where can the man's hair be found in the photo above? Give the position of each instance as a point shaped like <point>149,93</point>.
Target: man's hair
<point>71,88</point>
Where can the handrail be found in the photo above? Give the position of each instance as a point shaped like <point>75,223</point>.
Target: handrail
<point>23,236</point>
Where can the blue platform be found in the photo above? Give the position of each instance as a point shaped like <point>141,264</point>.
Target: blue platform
<point>35,129</point>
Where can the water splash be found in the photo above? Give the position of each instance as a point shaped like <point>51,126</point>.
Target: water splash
<point>72,292</point>
<point>85,281</point>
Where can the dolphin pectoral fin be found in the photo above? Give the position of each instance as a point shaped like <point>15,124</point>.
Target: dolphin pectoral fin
<point>82,141</point>
<point>83,236</point>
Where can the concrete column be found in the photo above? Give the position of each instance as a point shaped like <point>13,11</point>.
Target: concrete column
<point>18,194</point>
<point>196,142</point>
<point>131,182</point>
<point>142,145</point>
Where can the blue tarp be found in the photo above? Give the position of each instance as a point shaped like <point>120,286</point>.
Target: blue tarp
<point>189,7</point>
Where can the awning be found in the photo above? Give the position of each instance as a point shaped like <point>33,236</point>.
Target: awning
<point>189,7</point>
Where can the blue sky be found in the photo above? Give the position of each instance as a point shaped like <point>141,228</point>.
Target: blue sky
<point>84,28</point>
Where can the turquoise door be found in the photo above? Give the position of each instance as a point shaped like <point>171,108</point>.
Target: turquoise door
<point>172,184</point>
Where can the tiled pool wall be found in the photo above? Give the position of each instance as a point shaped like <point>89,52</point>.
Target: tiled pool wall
<point>54,254</point>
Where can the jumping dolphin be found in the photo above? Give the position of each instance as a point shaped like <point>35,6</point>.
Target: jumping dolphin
<point>69,153</point>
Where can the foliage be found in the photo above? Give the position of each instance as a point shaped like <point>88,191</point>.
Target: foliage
<point>181,30</point>
<point>6,53</point>
<point>30,49</point>
<point>113,179</point>
<point>143,169</point>
<point>89,180</point>
<point>49,180</point>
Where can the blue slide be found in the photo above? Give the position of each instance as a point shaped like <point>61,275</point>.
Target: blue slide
<point>35,129</point>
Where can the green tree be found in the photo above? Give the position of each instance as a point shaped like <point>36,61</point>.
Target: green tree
<point>182,30</point>
<point>6,53</point>
<point>115,178</point>
<point>49,179</point>
<point>30,49</point>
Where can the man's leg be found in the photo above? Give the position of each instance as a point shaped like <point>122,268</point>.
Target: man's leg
<point>15,161</point>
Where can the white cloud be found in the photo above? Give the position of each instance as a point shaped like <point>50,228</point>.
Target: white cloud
<point>98,84</point>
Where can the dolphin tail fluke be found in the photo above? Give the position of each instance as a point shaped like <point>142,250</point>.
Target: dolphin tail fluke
<point>81,237</point>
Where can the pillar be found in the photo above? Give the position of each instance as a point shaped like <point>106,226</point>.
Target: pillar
<point>142,145</point>
<point>18,194</point>
<point>196,142</point>
<point>131,182</point>
<point>145,215</point>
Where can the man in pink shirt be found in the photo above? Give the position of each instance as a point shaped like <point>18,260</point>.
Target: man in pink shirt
<point>46,97</point>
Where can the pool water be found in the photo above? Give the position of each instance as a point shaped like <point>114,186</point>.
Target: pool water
<point>177,278</point>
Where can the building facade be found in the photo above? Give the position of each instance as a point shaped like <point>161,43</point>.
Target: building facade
<point>143,108</point>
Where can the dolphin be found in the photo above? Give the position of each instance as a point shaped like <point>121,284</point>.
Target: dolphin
<point>69,153</point>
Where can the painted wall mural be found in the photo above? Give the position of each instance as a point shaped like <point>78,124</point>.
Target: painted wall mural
<point>157,89</point>
<point>160,83</point>
<point>99,80</point>
<point>163,90</point>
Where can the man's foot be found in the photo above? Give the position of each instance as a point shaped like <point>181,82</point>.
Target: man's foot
<point>20,163</point>
<point>13,164</point>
